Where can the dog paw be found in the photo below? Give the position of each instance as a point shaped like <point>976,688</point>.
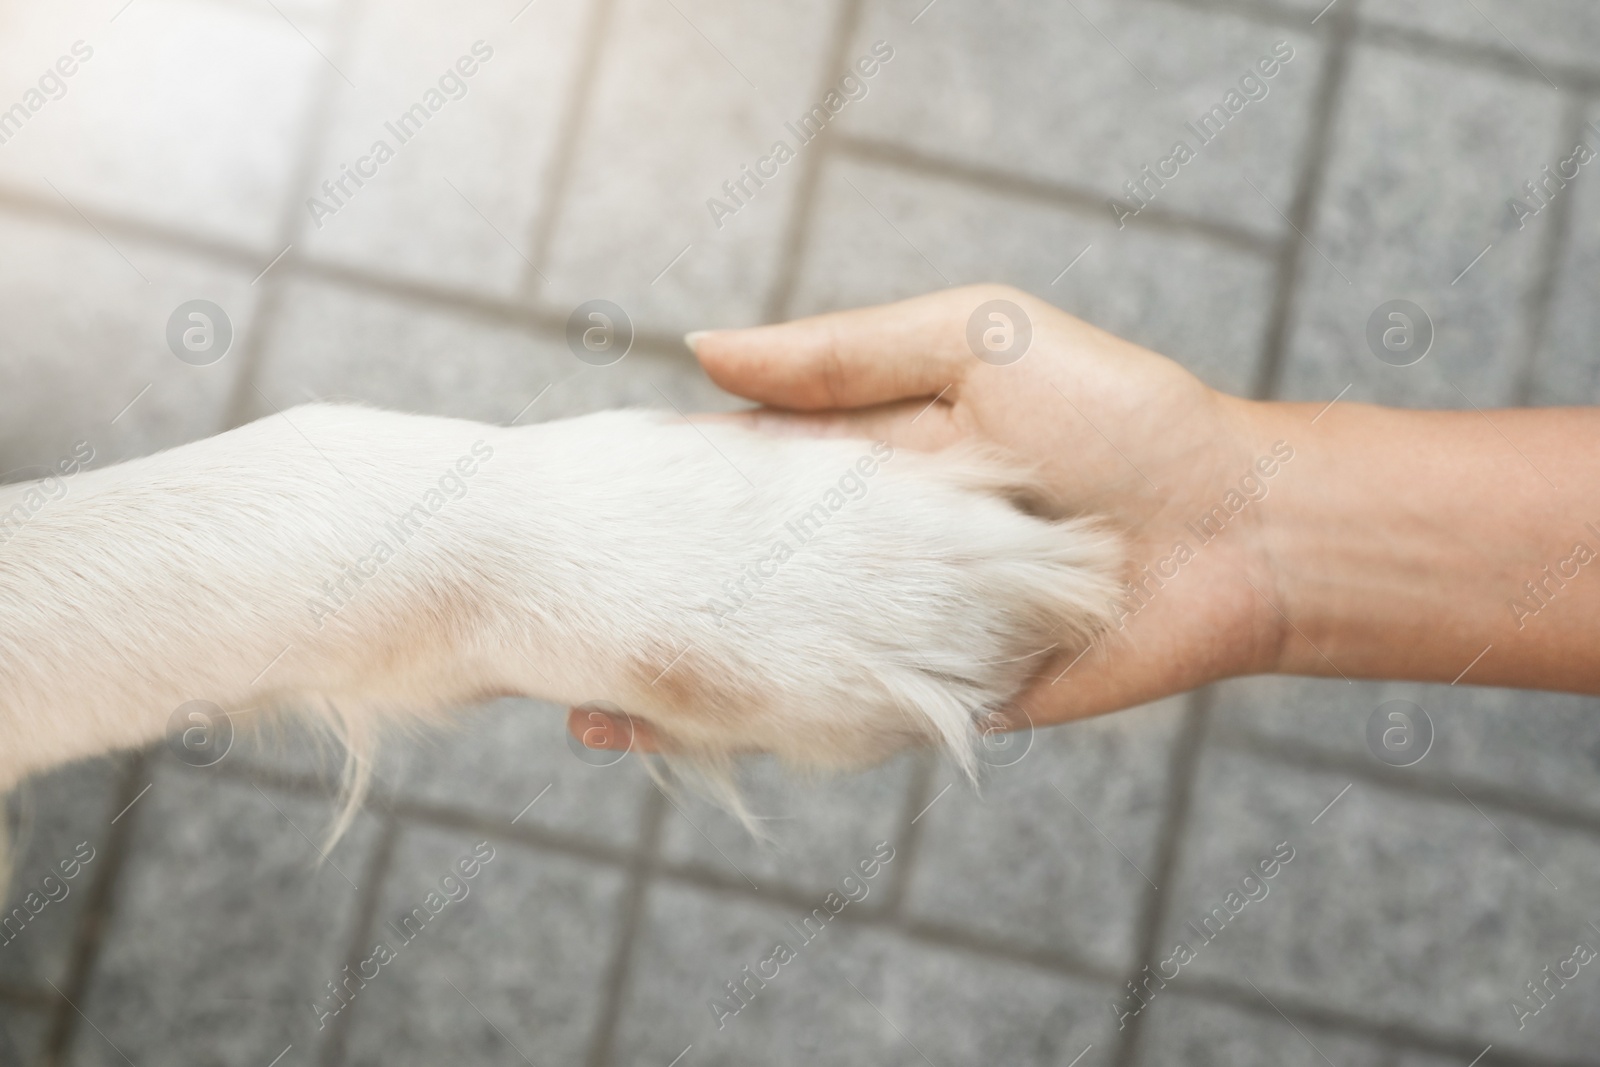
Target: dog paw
<point>828,600</point>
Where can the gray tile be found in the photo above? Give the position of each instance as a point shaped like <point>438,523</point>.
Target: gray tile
<point>1200,1034</point>
<point>1392,225</point>
<point>649,160</point>
<point>1020,864</point>
<point>22,1034</point>
<point>1541,31</point>
<point>492,138</point>
<point>526,950</point>
<point>82,335</point>
<point>1088,94</point>
<point>226,926</point>
<point>1568,367</point>
<point>60,823</point>
<point>497,760</point>
<point>340,343</point>
<point>222,93</point>
<point>818,830</point>
<point>1393,909</point>
<point>1546,745</point>
<point>911,1004</point>
<point>1202,304</point>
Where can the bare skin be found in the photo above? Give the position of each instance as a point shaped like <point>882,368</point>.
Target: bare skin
<point>1393,544</point>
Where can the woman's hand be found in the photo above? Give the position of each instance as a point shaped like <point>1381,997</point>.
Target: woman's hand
<point>1336,540</point>
<point>1115,429</point>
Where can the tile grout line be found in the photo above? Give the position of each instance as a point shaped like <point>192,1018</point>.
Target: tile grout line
<point>1308,191</point>
<point>1375,31</point>
<point>617,982</point>
<point>98,914</point>
<point>381,802</point>
<point>1320,759</point>
<point>22,204</point>
<point>564,153</point>
<point>1358,1024</point>
<point>1184,769</point>
<point>28,997</point>
<point>1471,56</point>
<point>335,1046</point>
<point>1060,195</point>
<point>321,105</point>
<point>1285,16</point>
<point>1539,300</point>
<point>917,799</point>
<point>798,228</point>
<point>529,319</point>
<point>1263,12</point>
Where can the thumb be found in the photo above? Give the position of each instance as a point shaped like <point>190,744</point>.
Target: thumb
<point>845,359</point>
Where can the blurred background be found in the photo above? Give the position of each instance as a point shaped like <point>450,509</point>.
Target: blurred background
<point>158,152</point>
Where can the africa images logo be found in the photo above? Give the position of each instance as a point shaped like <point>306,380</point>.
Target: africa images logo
<point>802,528</point>
<point>452,85</point>
<point>1253,86</point>
<point>810,126</point>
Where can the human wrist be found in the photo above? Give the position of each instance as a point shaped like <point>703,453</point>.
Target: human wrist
<point>1256,440</point>
<point>1377,570</point>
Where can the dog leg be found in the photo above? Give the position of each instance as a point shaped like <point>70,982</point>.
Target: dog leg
<point>828,600</point>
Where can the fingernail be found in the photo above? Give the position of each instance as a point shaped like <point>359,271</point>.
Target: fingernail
<point>692,338</point>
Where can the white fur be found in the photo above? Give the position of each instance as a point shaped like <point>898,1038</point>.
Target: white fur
<point>583,560</point>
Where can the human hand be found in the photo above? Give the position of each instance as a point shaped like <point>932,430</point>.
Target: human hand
<point>1114,429</point>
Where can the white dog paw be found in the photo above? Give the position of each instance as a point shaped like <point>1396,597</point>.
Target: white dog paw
<point>827,600</point>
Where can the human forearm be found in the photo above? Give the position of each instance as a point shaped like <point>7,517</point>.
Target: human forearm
<point>1406,543</point>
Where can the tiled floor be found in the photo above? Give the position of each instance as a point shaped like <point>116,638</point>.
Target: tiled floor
<point>205,928</point>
